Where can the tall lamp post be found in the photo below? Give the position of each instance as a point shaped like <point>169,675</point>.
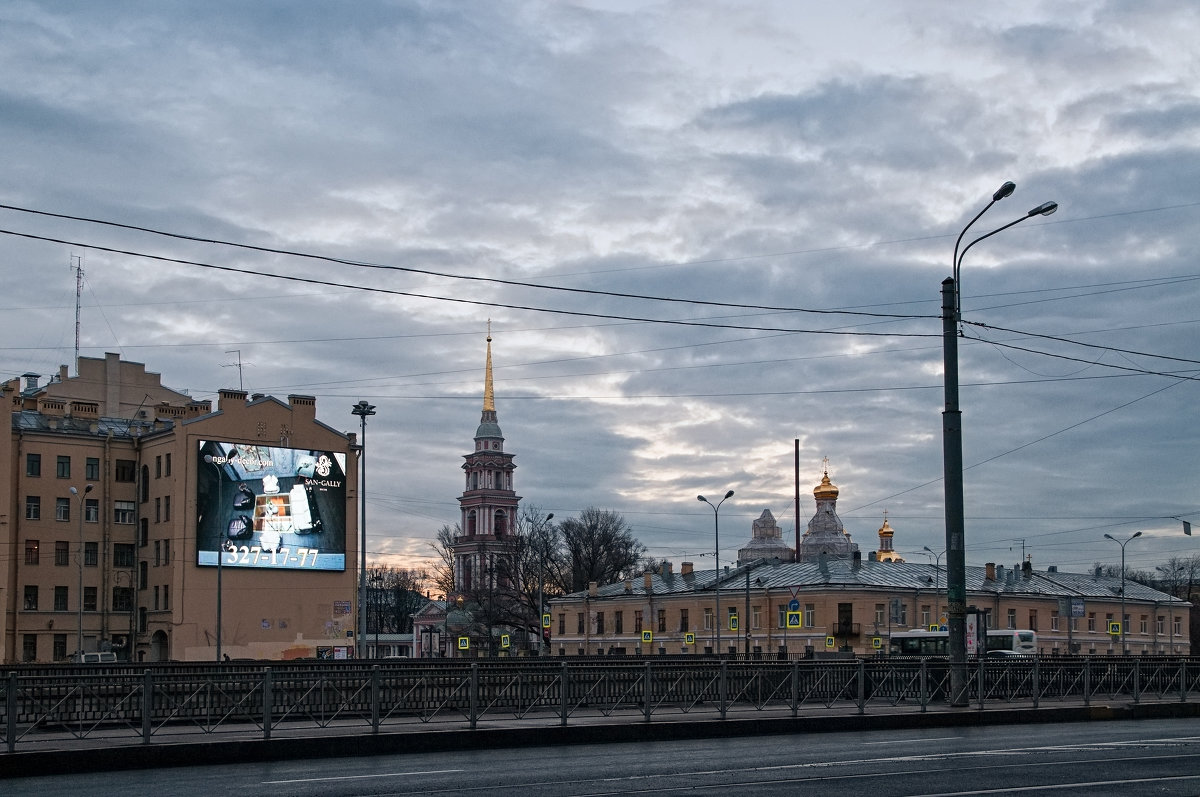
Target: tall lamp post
<point>541,528</point>
<point>717,554</point>
<point>1132,537</point>
<point>362,409</point>
<point>87,489</point>
<point>937,583</point>
<point>956,563</point>
<point>221,528</point>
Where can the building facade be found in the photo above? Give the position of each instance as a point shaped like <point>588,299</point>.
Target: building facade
<point>140,521</point>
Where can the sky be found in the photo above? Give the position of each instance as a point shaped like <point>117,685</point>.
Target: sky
<point>705,234</point>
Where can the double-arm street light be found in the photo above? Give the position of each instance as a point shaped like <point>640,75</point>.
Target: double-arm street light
<point>222,526</point>
<point>717,557</point>
<point>87,489</point>
<point>956,564</point>
<point>362,409</point>
<point>541,554</point>
<point>1132,537</point>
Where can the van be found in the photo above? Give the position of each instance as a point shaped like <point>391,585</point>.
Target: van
<point>97,657</point>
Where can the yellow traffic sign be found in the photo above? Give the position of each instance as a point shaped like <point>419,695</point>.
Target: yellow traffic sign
<point>647,637</point>
<point>830,642</point>
<point>464,643</point>
<point>1114,628</point>
<point>689,638</point>
<point>793,619</point>
<point>733,622</point>
<point>877,642</point>
<point>505,642</point>
<point>545,621</point>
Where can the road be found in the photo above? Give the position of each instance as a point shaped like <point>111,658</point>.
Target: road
<point>1127,758</point>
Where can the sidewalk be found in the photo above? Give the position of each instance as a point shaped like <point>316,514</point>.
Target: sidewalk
<point>187,745</point>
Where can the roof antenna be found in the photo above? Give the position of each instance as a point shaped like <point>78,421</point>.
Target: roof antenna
<point>78,298</point>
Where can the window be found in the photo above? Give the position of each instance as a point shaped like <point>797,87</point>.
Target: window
<point>599,623</point>
<point>91,469</point>
<point>166,507</point>
<point>1011,619</point>
<point>89,599</point>
<point>1033,620</point>
<point>562,624</point>
<point>125,470</point>
<point>91,554</point>
<point>781,622</point>
<point>1143,625</point>
<point>29,647</point>
<point>60,599</point>
<point>662,621</point>
<point>1177,626</point>
<point>683,621</point>
<point>62,508</point>
<point>167,466</point>
<point>33,507</point>
<point>810,615</point>
<point>123,512</point>
<point>157,553</point>
<point>1091,618</point>
<point>1053,620</point>
<point>618,623</point>
<point>158,510</point>
<point>880,616</point>
<point>926,615</point>
<point>60,647</point>
<point>123,554</point>
<point>144,533</point>
<point>731,621</point>
<point>122,599</point>
<point>62,553</point>
<point>156,599</point>
<point>33,464</point>
<point>143,575</point>
<point>63,467</point>
<point>31,552</point>
<point>158,467</point>
<point>91,510</point>
<point>166,596</point>
<point>142,624</point>
<point>637,621</point>
<point>756,617</point>
<point>144,487</point>
<point>708,619</point>
<point>31,597</point>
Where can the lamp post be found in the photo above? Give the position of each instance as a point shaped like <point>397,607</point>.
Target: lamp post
<point>87,489</point>
<point>221,526</point>
<point>717,555</point>
<point>956,565</point>
<point>937,582</point>
<point>362,409</point>
<point>541,542</point>
<point>1132,537</point>
<point>1170,575</point>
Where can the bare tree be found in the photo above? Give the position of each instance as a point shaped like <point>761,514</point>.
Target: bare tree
<point>394,595</point>
<point>597,546</point>
<point>442,577</point>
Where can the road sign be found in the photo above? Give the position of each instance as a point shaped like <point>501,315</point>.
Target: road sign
<point>876,642</point>
<point>505,641</point>
<point>733,622</point>
<point>464,643</point>
<point>647,637</point>
<point>793,605</point>
<point>545,621</point>
<point>830,642</point>
<point>1114,628</point>
<point>793,619</point>
<point>689,638</point>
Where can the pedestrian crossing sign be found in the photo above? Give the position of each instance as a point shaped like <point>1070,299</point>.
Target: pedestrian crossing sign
<point>793,619</point>
<point>647,637</point>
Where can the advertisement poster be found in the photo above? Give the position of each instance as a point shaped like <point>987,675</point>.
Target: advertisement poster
<point>269,507</point>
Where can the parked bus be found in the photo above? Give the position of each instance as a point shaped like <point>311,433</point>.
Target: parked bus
<point>919,642</point>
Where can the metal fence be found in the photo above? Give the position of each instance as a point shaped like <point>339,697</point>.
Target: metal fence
<point>139,705</point>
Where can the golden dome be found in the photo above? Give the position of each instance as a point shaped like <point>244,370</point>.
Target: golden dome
<point>825,491</point>
<point>885,530</point>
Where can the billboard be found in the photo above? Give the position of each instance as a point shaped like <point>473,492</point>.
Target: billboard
<point>269,507</point>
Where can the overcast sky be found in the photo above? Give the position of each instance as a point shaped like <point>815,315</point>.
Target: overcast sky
<point>777,160</point>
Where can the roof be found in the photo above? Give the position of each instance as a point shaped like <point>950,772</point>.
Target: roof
<point>885,577</point>
<point>33,421</point>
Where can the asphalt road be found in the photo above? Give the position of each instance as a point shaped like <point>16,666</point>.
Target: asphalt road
<point>1127,758</point>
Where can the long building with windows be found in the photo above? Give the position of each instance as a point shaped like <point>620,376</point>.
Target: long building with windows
<point>137,520</point>
<point>833,600</point>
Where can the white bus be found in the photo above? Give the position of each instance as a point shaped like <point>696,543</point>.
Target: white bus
<point>919,642</point>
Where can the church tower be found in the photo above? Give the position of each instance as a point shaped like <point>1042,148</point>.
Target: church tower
<point>825,535</point>
<point>488,504</point>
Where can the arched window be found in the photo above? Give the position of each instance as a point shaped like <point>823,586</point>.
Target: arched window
<point>501,522</point>
<point>471,522</point>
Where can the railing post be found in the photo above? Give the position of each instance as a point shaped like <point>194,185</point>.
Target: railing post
<point>474,695</point>
<point>268,702</point>
<point>980,680</point>
<point>147,704</point>
<point>1037,682</point>
<point>924,681</point>
<point>375,698</point>
<point>723,687</point>
<point>563,696</point>
<point>862,687</point>
<point>1137,681</point>
<point>10,725</point>
<point>647,694</point>
<point>1183,687</point>
<point>1087,682</point>
<point>795,689</point>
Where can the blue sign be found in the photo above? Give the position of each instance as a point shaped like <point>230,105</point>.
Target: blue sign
<point>793,605</point>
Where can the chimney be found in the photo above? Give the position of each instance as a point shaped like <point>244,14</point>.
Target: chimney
<point>227,396</point>
<point>629,586</point>
<point>1051,568</point>
<point>648,579</point>
<point>990,571</point>
<point>1027,569</point>
<point>856,561</point>
<point>31,380</point>
<point>873,556</point>
<point>592,589</point>
<point>667,567</point>
<point>685,568</point>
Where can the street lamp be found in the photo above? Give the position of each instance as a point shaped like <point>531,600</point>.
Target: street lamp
<point>1171,585</point>
<point>956,564</point>
<point>221,528</point>
<point>717,555</point>
<point>937,583</point>
<point>362,409</point>
<point>541,538</point>
<point>87,489</point>
<point>1134,536</point>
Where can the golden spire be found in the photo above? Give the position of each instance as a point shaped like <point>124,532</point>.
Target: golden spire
<point>489,398</point>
